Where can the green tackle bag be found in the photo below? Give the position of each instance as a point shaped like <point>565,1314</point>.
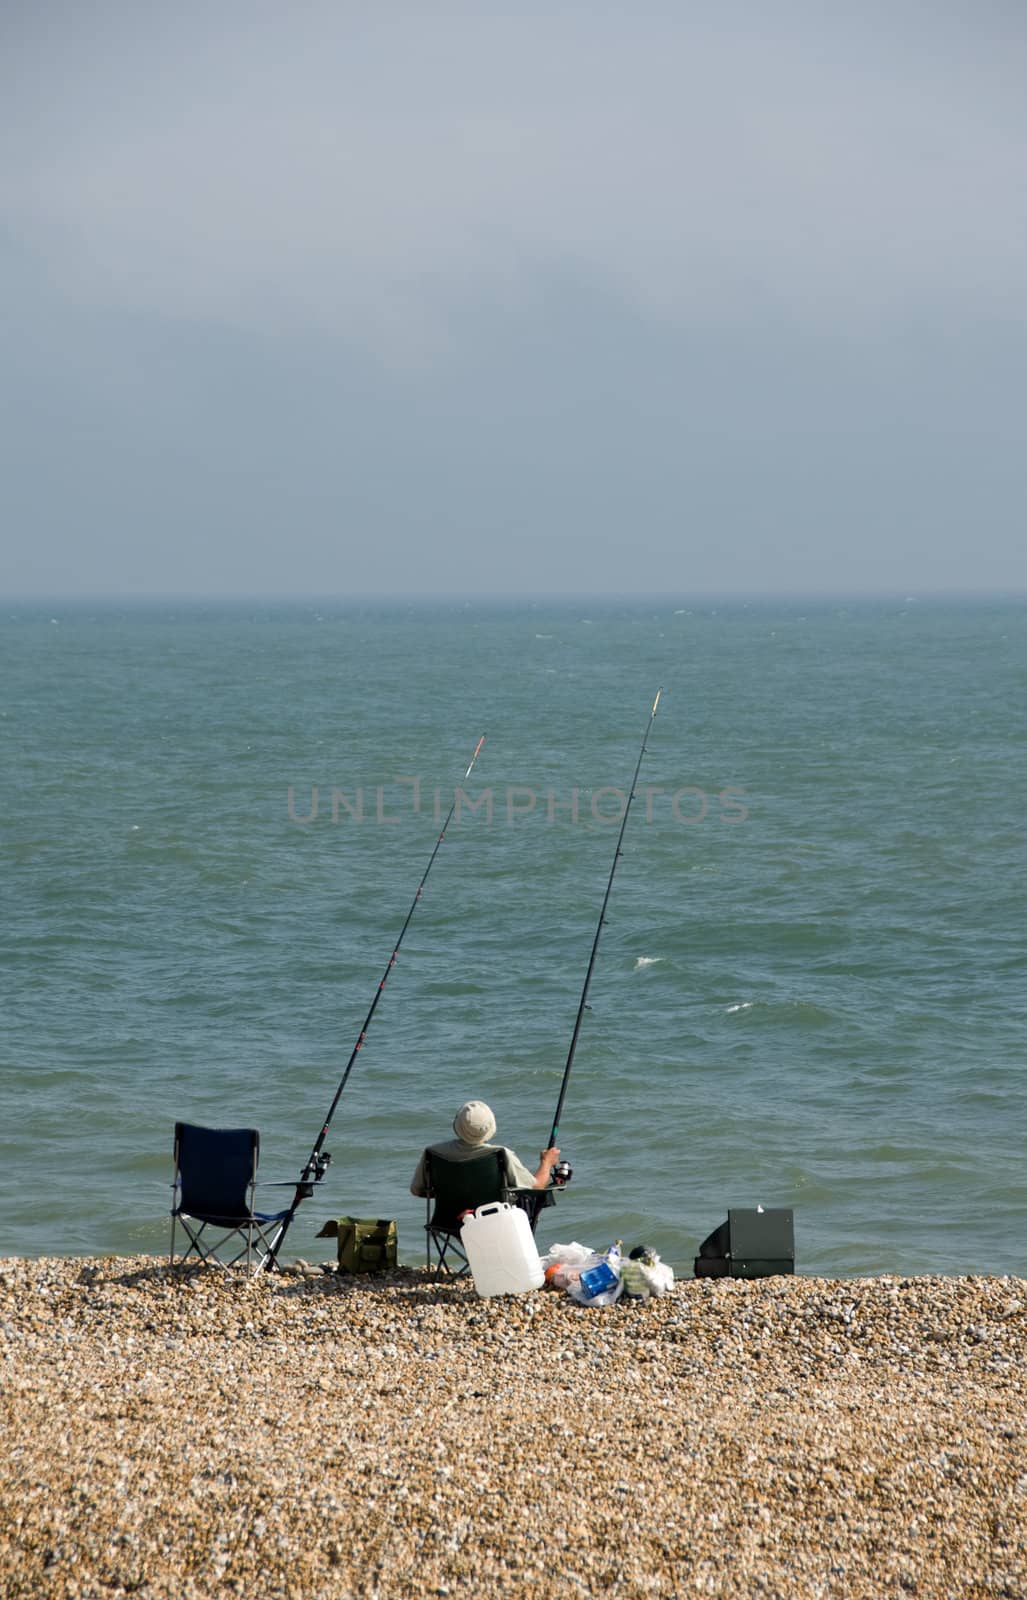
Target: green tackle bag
<point>366,1244</point>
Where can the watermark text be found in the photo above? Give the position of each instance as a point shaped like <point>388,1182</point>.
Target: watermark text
<point>384,804</point>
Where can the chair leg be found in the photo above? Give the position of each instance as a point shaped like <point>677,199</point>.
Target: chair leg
<point>252,1244</point>
<point>264,1250</point>
<point>446,1245</point>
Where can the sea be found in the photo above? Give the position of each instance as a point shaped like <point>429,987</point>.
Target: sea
<point>809,988</point>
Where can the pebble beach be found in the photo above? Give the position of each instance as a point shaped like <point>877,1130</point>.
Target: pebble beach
<point>178,1433</point>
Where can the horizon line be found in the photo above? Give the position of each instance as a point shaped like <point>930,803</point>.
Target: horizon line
<point>662,598</point>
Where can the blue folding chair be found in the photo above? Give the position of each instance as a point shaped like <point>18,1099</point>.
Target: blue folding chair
<point>215,1189</point>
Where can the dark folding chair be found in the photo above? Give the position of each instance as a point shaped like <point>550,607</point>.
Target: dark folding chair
<point>214,1188</point>
<point>454,1187</point>
<point>457,1186</point>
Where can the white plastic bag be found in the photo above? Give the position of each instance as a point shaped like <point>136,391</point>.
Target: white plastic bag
<point>573,1254</point>
<point>567,1262</point>
<point>659,1277</point>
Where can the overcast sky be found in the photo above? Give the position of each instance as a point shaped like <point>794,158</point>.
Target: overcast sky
<point>565,298</point>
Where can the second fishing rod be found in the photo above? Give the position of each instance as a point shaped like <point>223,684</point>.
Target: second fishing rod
<point>582,1005</point>
<point>317,1162</point>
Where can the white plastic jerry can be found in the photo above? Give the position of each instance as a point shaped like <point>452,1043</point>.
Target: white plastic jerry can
<point>500,1249</point>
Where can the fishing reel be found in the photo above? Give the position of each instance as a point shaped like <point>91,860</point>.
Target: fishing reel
<point>562,1173</point>
<point>313,1172</point>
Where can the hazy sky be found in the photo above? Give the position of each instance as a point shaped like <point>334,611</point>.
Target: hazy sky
<point>335,299</point>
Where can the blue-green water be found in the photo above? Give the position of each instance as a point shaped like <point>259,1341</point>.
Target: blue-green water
<point>813,995</point>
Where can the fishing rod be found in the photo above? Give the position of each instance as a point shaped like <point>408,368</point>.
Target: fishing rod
<point>595,942</point>
<point>317,1163</point>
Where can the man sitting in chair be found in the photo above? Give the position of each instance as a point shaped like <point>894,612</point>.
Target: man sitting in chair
<point>474,1126</point>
